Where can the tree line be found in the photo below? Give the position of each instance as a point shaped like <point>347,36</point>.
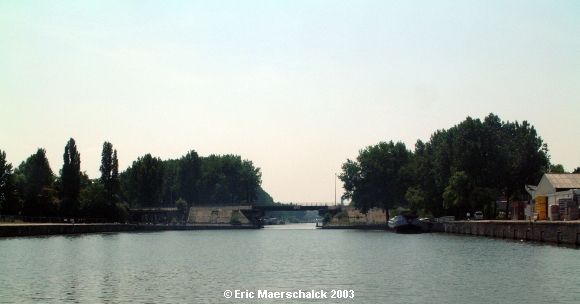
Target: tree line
<point>462,169</point>
<point>32,188</point>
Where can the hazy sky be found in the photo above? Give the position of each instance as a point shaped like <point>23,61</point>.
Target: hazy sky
<point>295,86</point>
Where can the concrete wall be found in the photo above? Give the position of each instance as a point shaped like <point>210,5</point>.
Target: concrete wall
<point>540,231</point>
<point>216,215</point>
<point>355,217</point>
<point>20,230</point>
<point>55,229</point>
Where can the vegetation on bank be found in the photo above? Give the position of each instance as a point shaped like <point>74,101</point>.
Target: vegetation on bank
<point>32,189</point>
<point>462,169</point>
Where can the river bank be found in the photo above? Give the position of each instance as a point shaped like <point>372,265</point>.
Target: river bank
<point>559,232</point>
<point>39,229</point>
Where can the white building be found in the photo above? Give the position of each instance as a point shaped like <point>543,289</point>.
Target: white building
<point>557,186</point>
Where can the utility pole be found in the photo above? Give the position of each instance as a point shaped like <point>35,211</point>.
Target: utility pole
<point>335,177</point>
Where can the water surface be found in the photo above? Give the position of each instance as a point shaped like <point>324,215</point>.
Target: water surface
<point>198,266</point>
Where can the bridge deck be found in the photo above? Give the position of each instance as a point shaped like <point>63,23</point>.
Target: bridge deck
<point>292,207</point>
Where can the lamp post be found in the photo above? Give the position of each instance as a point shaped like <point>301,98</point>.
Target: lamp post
<point>335,177</point>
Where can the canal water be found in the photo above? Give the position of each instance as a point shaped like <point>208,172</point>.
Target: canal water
<point>198,266</point>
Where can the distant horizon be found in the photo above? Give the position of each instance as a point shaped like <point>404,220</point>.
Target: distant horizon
<point>297,88</point>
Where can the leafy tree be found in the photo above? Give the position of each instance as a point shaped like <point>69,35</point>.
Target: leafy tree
<point>70,180</point>
<point>143,181</point>
<point>456,195</point>
<point>227,179</point>
<point>170,189</point>
<point>182,207</point>
<point>466,167</point>
<point>115,184</point>
<point>416,198</point>
<point>106,163</point>
<point>36,181</point>
<point>188,177</point>
<point>148,182</point>
<point>110,172</point>
<point>263,198</point>
<point>527,159</point>
<point>557,168</point>
<point>94,202</point>
<point>376,178</point>
<point>577,170</point>
<point>9,202</point>
<point>250,180</point>
<point>216,179</point>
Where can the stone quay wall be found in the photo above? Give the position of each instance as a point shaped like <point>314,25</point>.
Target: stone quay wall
<point>559,232</point>
<point>30,229</point>
<point>217,215</point>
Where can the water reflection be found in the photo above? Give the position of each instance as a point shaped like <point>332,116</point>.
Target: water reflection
<point>197,266</point>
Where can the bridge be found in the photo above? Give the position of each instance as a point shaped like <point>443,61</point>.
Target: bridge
<point>257,212</point>
<point>254,213</point>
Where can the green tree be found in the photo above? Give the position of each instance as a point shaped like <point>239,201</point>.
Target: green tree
<point>577,170</point>
<point>115,183</point>
<point>416,198</point>
<point>457,192</point>
<point>263,197</point>
<point>182,207</point>
<point>9,202</point>
<point>557,168</point>
<point>377,177</point>
<point>527,159</point>
<point>212,189</point>
<point>106,163</point>
<point>227,179</point>
<point>36,181</point>
<point>70,180</point>
<point>143,181</point>
<point>110,172</point>
<point>94,201</point>
<point>250,180</point>
<point>212,180</point>
<point>170,182</point>
<point>464,168</point>
<point>188,177</point>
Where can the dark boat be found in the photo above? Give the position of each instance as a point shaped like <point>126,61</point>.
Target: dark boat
<point>406,223</point>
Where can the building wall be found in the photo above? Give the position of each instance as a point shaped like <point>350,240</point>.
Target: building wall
<point>544,187</point>
<point>216,215</point>
<point>554,197</point>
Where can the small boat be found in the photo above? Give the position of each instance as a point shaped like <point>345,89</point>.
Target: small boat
<point>406,223</point>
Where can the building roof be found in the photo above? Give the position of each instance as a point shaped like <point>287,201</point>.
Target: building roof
<point>565,180</point>
<point>531,189</point>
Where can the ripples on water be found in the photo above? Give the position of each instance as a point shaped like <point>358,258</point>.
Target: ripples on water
<point>197,266</point>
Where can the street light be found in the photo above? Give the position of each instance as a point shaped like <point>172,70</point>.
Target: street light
<point>335,178</point>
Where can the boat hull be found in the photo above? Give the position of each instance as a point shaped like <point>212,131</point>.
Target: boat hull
<point>406,224</point>
<point>408,229</point>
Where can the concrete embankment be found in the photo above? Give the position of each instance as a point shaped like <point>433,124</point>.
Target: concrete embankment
<point>559,232</point>
<point>17,230</point>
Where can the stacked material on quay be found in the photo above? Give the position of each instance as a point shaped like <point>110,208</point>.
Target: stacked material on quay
<point>568,209</point>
